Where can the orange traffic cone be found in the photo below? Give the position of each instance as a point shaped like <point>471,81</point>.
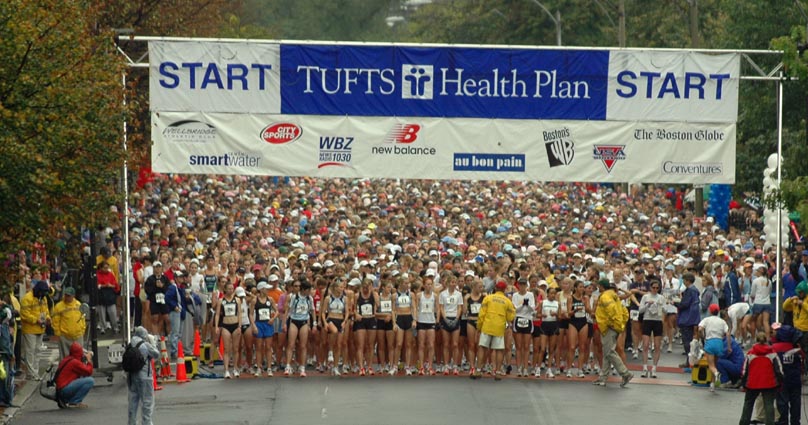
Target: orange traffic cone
<point>182,376</point>
<point>221,350</point>
<point>165,365</point>
<point>197,345</point>
<point>154,377</point>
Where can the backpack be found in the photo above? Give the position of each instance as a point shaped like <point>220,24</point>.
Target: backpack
<point>133,360</point>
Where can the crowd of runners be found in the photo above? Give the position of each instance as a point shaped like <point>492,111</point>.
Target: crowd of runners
<point>387,277</point>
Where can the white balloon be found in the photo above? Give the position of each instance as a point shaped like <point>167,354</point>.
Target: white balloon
<point>772,161</point>
<point>767,245</point>
<point>771,237</point>
<point>768,172</point>
<point>767,229</point>
<point>768,182</point>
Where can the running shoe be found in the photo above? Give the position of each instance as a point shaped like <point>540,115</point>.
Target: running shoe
<point>302,371</point>
<point>455,372</point>
<point>356,369</point>
<point>421,371</point>
<point>335,371</point>
<point>330,357</point>
<point>346,369</point>
<point>670,350</point>
<point>472,371</point>
<point>408,372</point>
<point>370,371</point>
<point>269,372</point>
<point>362,371</point>
<point>508,370</point>
<point>537,373</point>
<point>257,373</point>
<point>644,373</point>
<point>227,374</point>
<point>392,371</point>
<point>717,378</point>
<point>431,372</point>
<point>550,373</point>
<point>569,373</point>
<point>445,371</point>
<point>599,382</point>
<point>288,370</point>
<point>581,374</point>
<point>712,387</point>
<point>236,373</point>
<point>626,379</point>
<point>635,356</point>
<point>653,372</point>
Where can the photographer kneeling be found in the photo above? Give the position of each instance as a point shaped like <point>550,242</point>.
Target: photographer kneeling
<point>74,378</point>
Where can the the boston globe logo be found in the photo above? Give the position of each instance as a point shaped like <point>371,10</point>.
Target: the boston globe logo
<point>190,131</point>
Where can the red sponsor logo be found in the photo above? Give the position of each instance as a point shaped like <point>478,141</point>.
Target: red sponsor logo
<point>609,155</point>
<point>403,133</point>
<point>280,133</point>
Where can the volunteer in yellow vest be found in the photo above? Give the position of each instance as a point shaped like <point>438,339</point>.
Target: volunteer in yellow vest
<point>799,308</point>
<point>68,321</point>
<point>35,317</point>
<point>495,313</point>
<point>611,319</point>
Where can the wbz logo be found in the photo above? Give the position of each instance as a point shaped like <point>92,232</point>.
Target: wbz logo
<point>417,81</point>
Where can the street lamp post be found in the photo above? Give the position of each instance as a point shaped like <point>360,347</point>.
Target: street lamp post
<point>555,18</point>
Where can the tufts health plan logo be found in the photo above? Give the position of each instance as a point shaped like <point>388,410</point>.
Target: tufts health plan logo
<point>417,81</point>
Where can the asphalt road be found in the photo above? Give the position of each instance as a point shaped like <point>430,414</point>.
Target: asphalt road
<point>401,400</point>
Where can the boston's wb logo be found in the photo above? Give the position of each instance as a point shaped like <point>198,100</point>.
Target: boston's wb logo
<point>560,152</point>
<point>416,81</point>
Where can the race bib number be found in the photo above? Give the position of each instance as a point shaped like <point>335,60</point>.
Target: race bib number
<point>475,309</point>
<point>428,308</point>
<point>634,314</point>
<point>386,306</point>
<point>263,314</point>
<point>579,314</point>
<point>522,322</point>
<point>302,307</point>
<point>366,310</point>
<point>160,298</point>
<point>208,298</point>
<point>317,306</point>
<point>404,301</point>
<point>229,310</point>
<point>653,309</point>
<point>450,300</point>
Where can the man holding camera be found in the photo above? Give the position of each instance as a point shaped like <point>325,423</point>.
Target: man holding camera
<point>75,377</point>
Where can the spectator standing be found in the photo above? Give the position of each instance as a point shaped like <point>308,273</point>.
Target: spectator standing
<point>762,373</point>
<point>35,318</point>
<point>176,309</point>
<point>611,317</point>
<point>495,313</point>
<point>786,345</point>
<point>688,312</point>
<point>69,324</point>
<point>141,385</point>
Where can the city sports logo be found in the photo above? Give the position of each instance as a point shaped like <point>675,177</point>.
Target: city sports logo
<point>417,81</point>
<point>560,152</point>
<point>280,133</point>
<point>403,133</point>
<point>609,155</point>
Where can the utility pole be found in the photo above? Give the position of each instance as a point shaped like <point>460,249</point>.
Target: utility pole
<point>694,43</point>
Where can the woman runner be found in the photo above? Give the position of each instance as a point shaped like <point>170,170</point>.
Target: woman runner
<point>450,307</point>
<point>300,312</point>
<point>549,330</point>
<point>385,334</point>
<point>263,312</point>
<point>525,304</point>
<point>652,307</point>
<point>473,302</point>
<point>367,303</point>
<point>578,332</point>
<point>404,325</point>
<point>333,316</point>
<point>226,320</point>
<point>425,324</point>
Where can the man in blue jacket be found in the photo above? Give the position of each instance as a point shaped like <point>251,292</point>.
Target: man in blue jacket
<point>732,290</point>
<point>730,365</point>
<point>176,312</point>
<point>786,345</point>
<point>689,314</point>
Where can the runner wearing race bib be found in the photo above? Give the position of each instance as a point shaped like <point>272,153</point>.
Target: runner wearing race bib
<point>525,304</point>
<point>385,334</point>
<point>262,316</point>
<point>365,325</point>
<point>549,309</point>
<point>426,327</point>
<point>652,307</point>
<point>333,315</point>
<point>404,337</point>
<point>578,332</point>
<point>450,307</point>
<point>474,301</point>
<point>226,321</point>
<point>300,309</point>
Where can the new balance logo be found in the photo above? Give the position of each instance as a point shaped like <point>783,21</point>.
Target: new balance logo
<point>560,152</point>
<point>403,133</point>
<point>417,81</point>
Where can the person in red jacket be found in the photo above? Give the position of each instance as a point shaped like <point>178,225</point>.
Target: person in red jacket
<point>762,374</point>
<point>75,377</point>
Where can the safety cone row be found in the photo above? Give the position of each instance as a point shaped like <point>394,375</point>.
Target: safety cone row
<point>154,377</point>
<point>197,345</point>
<point>182,376</point>
<point>221,350</point>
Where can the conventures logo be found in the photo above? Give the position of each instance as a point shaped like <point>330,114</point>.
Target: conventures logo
<point>190,131</point>
<point>609,155</point>
<point>692,168</point>
<point>229,159</point>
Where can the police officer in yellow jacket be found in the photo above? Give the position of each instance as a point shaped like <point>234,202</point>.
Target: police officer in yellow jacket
<point>798,306</point>
<point>69,323</point>
<point>611,317</point>
<point>35,318</point>
<point>495,313</point>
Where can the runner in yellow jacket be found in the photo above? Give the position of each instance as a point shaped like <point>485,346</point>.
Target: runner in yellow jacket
<point>495,313</point>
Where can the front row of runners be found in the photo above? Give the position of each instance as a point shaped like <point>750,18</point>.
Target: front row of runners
<point>345,323</point>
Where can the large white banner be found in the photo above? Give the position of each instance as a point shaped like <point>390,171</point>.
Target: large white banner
<point>441,148</point>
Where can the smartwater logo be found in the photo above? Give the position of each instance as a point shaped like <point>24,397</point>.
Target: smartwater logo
<point>230,159</point>
<point>417,81</point>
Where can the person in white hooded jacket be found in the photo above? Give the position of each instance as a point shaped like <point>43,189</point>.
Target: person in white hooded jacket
<point>141,385</point>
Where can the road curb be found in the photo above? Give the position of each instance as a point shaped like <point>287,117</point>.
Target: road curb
<point>24,394</point>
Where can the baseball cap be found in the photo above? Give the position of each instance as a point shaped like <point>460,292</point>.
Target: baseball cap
<point>178,274</point>
<point>714,308</point>
<point>70,291</point>
<point>263,285</point>
<point>240,292</point>
<point>501,285</point>
<point>158,264</point>
<point>273,278</point>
